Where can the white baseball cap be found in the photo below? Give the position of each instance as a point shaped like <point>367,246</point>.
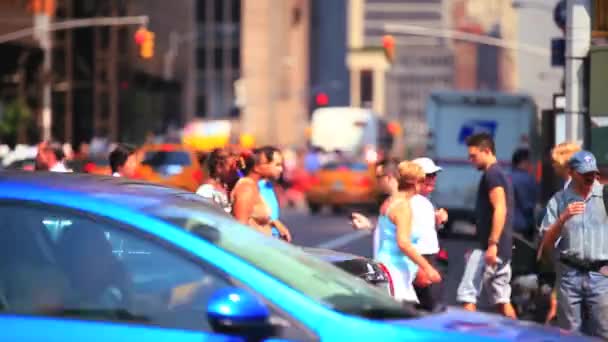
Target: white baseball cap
<point>427,165</point>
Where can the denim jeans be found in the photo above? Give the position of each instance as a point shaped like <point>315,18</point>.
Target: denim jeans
<point>583,297</point>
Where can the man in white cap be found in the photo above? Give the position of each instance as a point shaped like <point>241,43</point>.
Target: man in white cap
<point>427,220</point>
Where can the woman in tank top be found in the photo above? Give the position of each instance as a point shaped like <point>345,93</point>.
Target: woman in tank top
<point>397,237</point>
<point>248,205</point>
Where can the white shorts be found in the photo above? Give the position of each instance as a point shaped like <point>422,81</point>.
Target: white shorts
<point>403,284</point>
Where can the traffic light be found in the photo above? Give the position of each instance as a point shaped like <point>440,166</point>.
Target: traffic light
<point>321,99</point>
<point>145,40</point>
<point>388,44</point>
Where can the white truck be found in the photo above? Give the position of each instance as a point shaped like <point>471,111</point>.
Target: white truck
<point>451,117</point>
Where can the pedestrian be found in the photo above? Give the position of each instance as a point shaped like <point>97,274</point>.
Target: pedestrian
<point>525,192</point>
<point>248,205</point>
<point>490,266</point>
<point>560,155</point>
<point>123,161</point>
<point>427,219</point>
<point>398,236</point>
<point>386,172</point>
<point>266,186</point>
<point>576,224</point>
<point>220,169</point>
<point>50,157</point>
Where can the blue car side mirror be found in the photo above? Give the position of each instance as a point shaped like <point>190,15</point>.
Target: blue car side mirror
<point>235,311</point>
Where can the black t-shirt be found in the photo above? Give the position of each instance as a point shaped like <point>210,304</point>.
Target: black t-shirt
<point>495,177</point>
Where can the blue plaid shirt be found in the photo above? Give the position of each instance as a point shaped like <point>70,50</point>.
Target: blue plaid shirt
<point>584,236</point>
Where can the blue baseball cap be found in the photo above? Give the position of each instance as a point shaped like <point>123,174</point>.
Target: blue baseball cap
<point>583,162</point>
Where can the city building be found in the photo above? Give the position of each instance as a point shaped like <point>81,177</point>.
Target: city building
<point>275,71</point>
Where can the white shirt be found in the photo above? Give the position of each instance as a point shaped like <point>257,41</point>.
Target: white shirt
<point>59,167</point>
<point>423,221</point>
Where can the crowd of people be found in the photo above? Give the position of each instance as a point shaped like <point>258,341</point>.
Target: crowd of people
<point>572,238</point>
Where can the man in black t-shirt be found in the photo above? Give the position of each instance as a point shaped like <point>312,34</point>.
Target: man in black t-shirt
<point>490,266</point>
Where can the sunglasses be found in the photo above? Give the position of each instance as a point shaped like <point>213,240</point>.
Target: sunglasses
<point>431,175</point>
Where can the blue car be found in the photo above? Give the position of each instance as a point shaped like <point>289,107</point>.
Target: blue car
<point>85,258</point>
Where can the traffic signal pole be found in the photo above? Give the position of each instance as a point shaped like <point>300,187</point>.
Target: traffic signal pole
<point>578,42</point>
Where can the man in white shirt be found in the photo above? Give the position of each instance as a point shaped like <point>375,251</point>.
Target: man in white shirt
<point>50,157</point>
<point>427,220</point>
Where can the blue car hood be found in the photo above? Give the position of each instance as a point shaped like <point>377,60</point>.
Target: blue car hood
<point>495,327</point>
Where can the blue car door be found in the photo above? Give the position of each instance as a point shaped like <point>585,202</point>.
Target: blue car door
<point>29,329</point>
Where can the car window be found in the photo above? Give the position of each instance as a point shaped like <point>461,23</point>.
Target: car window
<point>346,166</point>
<point>163,158</point>
<point>59,263</point>
<point>316,279</point>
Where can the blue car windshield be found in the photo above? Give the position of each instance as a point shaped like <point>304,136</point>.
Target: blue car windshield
<point>315,278</point>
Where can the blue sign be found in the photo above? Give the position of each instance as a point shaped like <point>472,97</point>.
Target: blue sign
<point>476,126</point>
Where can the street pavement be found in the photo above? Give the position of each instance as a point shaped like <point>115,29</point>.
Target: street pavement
<point>333,231</point>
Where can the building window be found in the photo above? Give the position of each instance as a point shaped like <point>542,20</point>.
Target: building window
<point>235,16</point>
<point>218,58</point>
<point>201,105</point>
<point>201,58</point>
<point>218,11</point>
<point>235,58</point>
<point>201,13</point>
<point>367,87</point>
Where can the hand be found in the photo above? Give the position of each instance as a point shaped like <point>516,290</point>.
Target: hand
<point>359,221</point>
<point>283,231</point>
<point>552,313</point>
<point>491,258</point>
<point>574,208</point>
<point>432,275</point>
<point>441,216</point>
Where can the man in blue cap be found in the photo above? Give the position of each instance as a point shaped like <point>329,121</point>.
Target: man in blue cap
<point>576,223</point>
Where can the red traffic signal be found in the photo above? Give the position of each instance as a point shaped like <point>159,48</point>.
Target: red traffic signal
<point>388,44</point>
<point>322,99</point>
<point>145,40</point>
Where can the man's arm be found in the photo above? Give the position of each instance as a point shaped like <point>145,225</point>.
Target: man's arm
<point>499,204</point>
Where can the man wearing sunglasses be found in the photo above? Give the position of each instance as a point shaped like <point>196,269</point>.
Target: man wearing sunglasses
<point>577,217</point>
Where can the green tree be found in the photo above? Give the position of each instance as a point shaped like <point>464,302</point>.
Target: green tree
<point>15,116</point>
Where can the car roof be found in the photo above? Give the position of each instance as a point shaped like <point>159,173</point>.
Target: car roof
<point>126,192</point>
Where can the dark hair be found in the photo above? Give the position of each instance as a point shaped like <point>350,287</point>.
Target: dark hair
<point>389,167</point>
<point>520,155</point>
<point>214,159</point>
<point>481,140</point>
<point>252,158</point>
<point>119,155</point>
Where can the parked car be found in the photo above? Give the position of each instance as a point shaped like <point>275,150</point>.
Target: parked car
<point>86,256</point>
<point>340,184</point>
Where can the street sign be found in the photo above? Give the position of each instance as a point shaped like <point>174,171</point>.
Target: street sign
<point>558,52</point>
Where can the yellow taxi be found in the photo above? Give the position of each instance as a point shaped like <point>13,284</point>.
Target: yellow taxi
<point>342,184</point>
<point>170,164</point>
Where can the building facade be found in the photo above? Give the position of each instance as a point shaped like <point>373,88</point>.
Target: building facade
<point>275,71</point>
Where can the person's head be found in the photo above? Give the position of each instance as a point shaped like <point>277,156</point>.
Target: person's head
<point>49,154</point>
<point>521,160</point>
<point>583,170</point>
<point>267,162</point>
<point>387,174</point>
<point>561,154</point>
<point>220,165</point>
<point>411,176</point>
<point>123,160</point>
<point>482,152</point>
<point>431,170</point>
